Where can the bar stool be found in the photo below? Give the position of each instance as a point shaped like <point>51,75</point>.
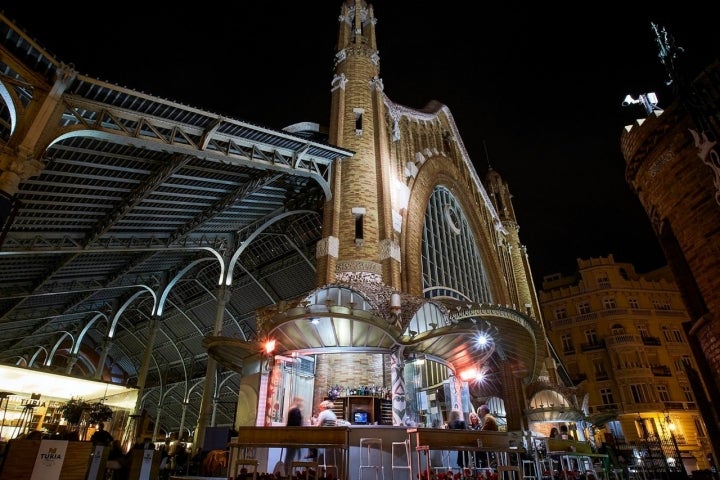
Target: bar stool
<point>371,456</point>
<point>617,473</point>
<point>306,464</point>
<point>445,463</point>
<point>529,470</point>
<point>245,462</point>
<point>504,466</point>
<point>398,450</point>
<point>325,465</point>
<point>513,472</point>
<point>423,450</point>
<point>600,472</point>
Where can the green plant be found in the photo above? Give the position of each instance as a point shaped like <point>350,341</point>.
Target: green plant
<point>99,412</point>
<point>72,411</point>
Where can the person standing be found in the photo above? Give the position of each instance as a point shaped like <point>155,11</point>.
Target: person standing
<point>489,423</point>
<point>101,436</point>
<point>474,421</point>
<point>456,422</point>
<point>294,419</point>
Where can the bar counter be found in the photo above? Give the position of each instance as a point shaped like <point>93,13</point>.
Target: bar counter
<point>266,444</point>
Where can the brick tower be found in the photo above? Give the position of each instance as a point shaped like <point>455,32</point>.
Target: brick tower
<point>361,220</point>
<point>672,165</point>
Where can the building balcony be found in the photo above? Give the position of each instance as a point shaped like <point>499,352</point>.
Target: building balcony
<point>625,340</point>
<point>661,371</point>
<point>671,313</point>
<point>588,347</point>
<point>651,341</point>
<point>630,369</point>
<point>680,406</point>
<point>603,408</point>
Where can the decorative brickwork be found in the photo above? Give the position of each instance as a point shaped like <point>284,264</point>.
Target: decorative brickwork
<point>349,370</point>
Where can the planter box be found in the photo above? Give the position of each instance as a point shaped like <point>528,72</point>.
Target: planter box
<point>24,456</point>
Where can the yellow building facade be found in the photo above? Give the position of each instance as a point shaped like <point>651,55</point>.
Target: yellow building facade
<point>620,336</point>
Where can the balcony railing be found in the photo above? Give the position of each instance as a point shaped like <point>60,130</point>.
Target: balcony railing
<point>613,312</point>
<point>680,405</point>
<point>606,407</point>
<point>671,313</point>
<point>651,341</point>
<point>661,371</point>
<point>596,345</point>
<point>623,340</point>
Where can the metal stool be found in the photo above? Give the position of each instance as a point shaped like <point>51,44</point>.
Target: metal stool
<point>600,472</point>
<point>617,473</point>
<point>244,462</point>
<point>529,470</point>
<point>513,472</point>
<point>504,466</point>
<point>324,465</point>
<point>420,451</point>
<point>445,463</point>
<point>306,464</point>
<point>395,455</point>
<point>371,456</point>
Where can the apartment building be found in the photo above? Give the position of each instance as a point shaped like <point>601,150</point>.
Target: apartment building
<point>620,336</point>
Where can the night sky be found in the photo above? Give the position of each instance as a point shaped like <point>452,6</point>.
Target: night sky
<point>539,88</point>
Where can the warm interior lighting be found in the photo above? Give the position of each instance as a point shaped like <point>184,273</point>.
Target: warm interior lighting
<point>468,374</point>
<point>26,381</point>
<point>269,347</point>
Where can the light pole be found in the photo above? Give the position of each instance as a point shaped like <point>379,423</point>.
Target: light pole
<point>675,462</point>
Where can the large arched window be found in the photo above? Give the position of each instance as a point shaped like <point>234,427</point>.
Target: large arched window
<point>451,261</point>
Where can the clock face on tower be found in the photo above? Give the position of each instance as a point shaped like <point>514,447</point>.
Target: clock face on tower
<point>453,219</point>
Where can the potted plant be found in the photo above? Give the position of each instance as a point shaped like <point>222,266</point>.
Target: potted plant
<point>99,412</point>
<point>80,414</point>
<point>72,411</point>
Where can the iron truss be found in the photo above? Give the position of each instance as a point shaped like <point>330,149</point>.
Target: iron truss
<point>129,194</point>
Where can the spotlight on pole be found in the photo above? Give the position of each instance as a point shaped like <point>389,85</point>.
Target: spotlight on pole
<point>649,101</point>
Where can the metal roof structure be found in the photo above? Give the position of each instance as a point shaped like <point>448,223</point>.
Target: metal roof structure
<point>128,197</point>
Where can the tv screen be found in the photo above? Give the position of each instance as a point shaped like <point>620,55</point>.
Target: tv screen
<point>360,417</point>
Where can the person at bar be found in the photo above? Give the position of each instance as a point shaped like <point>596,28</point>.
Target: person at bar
<point>489,423</point>
<point>294,419</point>
<point>456,422</point>
<point>326,418</point>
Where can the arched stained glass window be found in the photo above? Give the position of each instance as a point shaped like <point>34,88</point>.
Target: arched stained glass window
<point>451,261</point>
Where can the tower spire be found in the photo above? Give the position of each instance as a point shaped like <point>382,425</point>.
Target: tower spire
<point>361,236</point>
<point>487,155</point>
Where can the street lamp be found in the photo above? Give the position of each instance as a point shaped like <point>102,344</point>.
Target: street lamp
<point>673,461</point>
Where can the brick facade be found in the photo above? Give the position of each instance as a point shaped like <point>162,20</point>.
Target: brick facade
<point>681,195</point>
